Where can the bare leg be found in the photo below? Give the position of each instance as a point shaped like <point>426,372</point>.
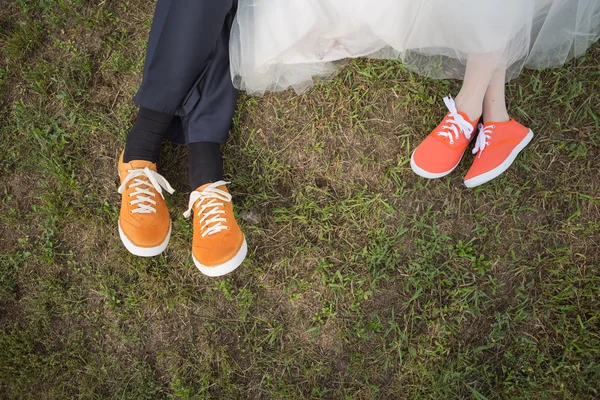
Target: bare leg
<point>494,102</point>
<point>479,73</point>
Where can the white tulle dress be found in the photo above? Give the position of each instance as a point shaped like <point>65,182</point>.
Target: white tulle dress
<point>278,44</point>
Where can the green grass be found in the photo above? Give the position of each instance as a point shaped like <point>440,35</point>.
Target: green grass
<point>363,281</point>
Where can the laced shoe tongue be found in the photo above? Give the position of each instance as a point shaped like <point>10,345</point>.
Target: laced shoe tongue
<point>141,164</point>
<point>201,188</point>
<point>456,123</point>
<point>208,203</point>
<point>466,117</point>
<point>143,186</point>
<point>484,138</point>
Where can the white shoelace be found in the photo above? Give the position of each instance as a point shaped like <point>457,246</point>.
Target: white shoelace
<point>481,142</point>
<point>457,122</point>
<point>209,213</point>
<point>144,180</point>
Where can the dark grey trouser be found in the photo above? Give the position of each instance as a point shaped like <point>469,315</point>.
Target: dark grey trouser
<point>187,69</point>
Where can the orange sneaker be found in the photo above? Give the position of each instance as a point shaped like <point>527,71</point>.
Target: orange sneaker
<point>144,221</point>
<point>441,151</point>
<point>218,245</point>
<point>502,142</point>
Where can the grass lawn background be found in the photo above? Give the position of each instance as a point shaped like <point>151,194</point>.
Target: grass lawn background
<point>363,281</point>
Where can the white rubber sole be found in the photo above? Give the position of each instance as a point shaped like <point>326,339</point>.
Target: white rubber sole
<point>144,251</point>
<point>494,173</point>
<point>429,175</point>
<point>225,268</point>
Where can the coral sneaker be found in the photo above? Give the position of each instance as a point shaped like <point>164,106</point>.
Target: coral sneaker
<point>144,221</point>
<point>218,245</point>
<point>440,153</point>
<point>498,145</point>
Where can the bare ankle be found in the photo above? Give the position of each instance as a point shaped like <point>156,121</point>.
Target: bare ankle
<point>495,116</point>
<point>469,107</point>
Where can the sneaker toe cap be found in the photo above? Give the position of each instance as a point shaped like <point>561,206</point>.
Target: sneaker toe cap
<point>434,157</point>
<point>145,235</point>
<point>219,253</point>
<point>488,162</point>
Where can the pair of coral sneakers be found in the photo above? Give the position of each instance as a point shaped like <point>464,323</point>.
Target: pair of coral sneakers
<point>497,146</point>
<point>218,245</point>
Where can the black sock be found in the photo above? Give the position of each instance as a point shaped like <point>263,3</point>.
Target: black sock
<point>206,164</point>
<point>145,139</point>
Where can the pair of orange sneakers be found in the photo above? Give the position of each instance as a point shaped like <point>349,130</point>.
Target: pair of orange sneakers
<point>497,146</point>
<point>218,245</point>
